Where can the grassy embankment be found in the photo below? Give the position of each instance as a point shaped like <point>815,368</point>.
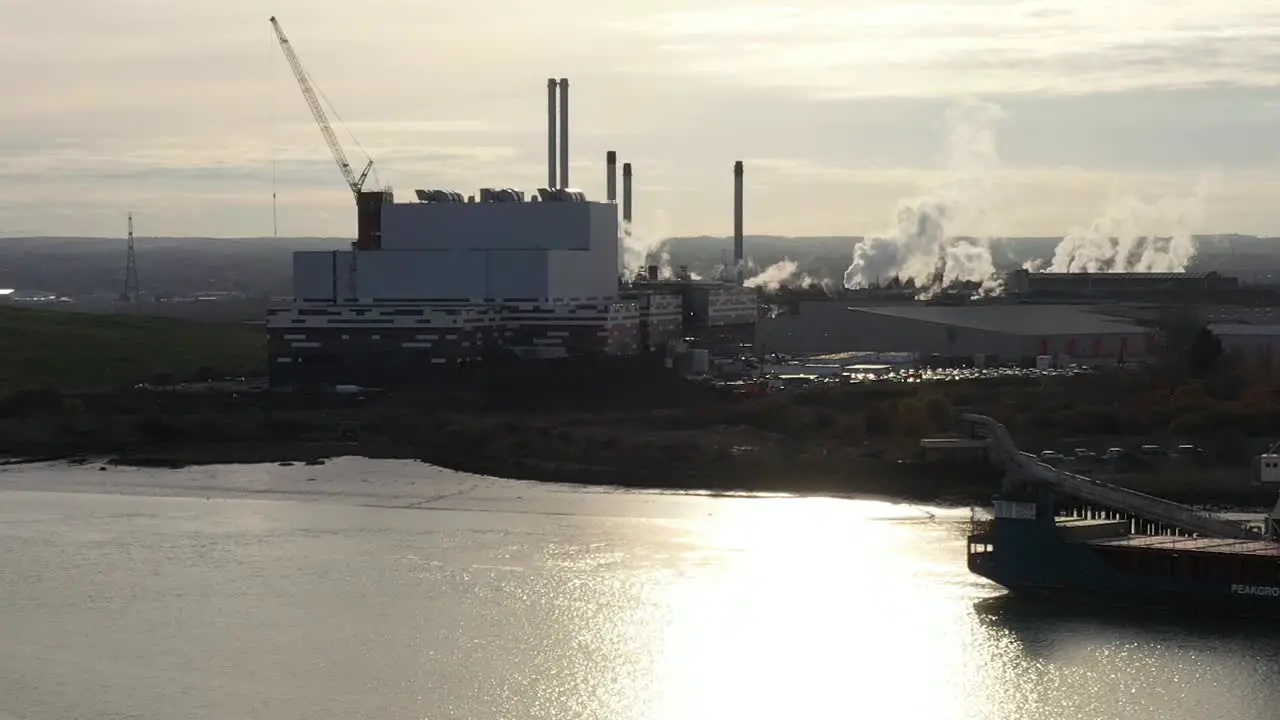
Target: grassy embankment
<point>621,422</point>
<point>72,352</point>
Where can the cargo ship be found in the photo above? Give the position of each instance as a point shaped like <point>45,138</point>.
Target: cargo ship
<point>1067,537</point>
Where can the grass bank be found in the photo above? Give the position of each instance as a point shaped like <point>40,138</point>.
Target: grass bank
<point>70,351</point>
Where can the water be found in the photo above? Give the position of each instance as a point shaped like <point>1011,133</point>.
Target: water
<point>394,590</point>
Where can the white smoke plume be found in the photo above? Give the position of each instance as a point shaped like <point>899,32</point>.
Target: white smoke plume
<point>1135,236</point>
<point>776,275</point>
<point>647,245</point>
<point>784,272</point>
<point>923,245</point>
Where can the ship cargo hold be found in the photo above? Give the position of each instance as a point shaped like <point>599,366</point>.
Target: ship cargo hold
<point>1064,536</point>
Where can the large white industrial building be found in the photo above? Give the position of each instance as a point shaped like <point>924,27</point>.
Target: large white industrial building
<point>451,277</point>
<point>550,249</point>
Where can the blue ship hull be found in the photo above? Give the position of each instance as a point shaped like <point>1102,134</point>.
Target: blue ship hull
<point>1031,556</point>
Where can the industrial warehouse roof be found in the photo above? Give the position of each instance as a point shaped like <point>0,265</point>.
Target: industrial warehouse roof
<point>1121,277</point>
<point>1038,320</point>
<point>1244,329</point>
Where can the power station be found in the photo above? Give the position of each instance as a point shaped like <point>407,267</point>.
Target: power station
<point>456,277</point>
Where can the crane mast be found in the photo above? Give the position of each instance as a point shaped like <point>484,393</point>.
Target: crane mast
<point>317,111</point>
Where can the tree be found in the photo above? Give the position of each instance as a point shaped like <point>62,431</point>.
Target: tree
<point>1189,349</point>
<point>1204,354</point>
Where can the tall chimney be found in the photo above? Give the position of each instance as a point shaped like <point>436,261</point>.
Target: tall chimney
<point>564,132</point>
<point>611,175</point>
<point>737,218</point>
<point>551,133</point>
<point>626,194</point>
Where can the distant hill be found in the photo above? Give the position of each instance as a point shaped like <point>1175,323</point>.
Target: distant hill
<point>176,266</point>
<point>263,266</point>
<point>828,257</point>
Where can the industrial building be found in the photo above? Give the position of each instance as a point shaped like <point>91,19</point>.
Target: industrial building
<point>1044,285</point>
<point>561,248</point>
<point>451,279</point>
<point>716,316</point>
<point>1007,334</point>
<point>1254,343</point>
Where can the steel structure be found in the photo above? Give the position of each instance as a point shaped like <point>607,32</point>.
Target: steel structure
<point>356,183</point>
<point>130,294</point>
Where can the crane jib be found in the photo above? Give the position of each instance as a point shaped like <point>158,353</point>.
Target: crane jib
<point>317,111</point>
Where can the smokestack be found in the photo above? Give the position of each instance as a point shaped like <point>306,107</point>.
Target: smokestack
<point>653,273</point>
<point>564,132</point>
<point>611,176</point>
<point>551,133</point>
<point>626,193</point>
<point>737,218</point>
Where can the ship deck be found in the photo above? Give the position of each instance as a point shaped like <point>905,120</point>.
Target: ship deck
<point>1224,546</point>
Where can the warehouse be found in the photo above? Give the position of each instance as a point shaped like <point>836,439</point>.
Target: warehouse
<point>1257,343</point>
<point>1010,333</point>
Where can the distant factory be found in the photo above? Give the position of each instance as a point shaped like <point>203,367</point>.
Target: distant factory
<point>454,278</point>
<point>1118,286</point>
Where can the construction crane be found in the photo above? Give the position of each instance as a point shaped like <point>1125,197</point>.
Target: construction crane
<point>317,111</point>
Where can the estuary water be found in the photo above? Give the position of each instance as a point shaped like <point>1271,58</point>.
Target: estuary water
<point>373,589</point>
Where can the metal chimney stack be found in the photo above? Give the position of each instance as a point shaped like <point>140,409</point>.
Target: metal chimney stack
<point>551,133</point>
<point>626,194</point>
<point>611,175</point>
<point>564,132</point>
<point>737,219</point>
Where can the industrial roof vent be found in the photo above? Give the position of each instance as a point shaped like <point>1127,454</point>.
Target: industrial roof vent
<point>561,195</point>
<point>439,196</point>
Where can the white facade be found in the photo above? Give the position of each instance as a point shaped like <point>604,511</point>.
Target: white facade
<point>473,251</point>
<point>495,225</point>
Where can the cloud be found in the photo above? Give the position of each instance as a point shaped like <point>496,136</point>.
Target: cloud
<point>941,49</point>
<point>182,117</point>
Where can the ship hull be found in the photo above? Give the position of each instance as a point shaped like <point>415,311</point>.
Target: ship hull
<point>1190,601</point>
<point>1030,558</point>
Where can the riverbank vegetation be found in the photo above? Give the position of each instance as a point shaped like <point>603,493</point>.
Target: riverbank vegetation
<point>624,422</point>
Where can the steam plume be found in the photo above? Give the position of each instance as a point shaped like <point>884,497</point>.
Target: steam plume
<point>642,247</point>
<point>922,245</point>
<point>784,272</point>
<point>1135,236</point>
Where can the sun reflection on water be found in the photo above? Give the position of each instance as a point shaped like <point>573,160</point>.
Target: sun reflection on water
<point>814,609</point>
<point>635,607</point>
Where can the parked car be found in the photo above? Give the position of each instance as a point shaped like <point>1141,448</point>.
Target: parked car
<point>1051,457</point>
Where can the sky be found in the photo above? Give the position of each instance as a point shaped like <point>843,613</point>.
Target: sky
<point>187,115</point>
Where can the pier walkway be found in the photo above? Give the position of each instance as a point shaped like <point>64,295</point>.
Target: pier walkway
<point>1026,468</point>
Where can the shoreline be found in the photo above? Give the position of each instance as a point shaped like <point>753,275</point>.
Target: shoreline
<point>943,486</point>
<point>868,479</point>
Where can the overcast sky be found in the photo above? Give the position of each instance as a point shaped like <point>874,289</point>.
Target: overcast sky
<point>179,110</point>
